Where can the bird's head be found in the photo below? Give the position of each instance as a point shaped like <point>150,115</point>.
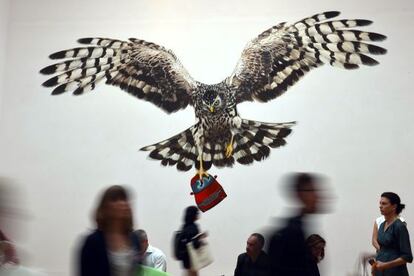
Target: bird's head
<point>212,101</point>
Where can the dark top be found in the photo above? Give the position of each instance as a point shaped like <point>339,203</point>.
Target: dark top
<point>313,268</point>
<point>94,259</point>
<point>288,252</point>
<point>246,267</point>
<point>189,231</point>
<point>394,243</point>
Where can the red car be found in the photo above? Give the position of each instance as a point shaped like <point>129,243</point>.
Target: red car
<point>207,192</point>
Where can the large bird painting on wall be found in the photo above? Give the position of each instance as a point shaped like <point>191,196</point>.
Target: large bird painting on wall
<point>269,65</point>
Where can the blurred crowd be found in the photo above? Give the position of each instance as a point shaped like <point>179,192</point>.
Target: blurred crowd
<point>116,248</point>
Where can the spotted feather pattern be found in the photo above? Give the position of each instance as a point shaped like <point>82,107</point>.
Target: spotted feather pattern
<point>144,69</point>
<point>251,143</point>
<point>281,55</point>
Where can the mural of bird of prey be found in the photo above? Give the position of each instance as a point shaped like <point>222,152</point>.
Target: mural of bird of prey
<point>269,65</point>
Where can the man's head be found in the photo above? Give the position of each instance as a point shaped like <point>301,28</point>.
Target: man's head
<point>143,239</point>
<point>305,187</point>
<point>254,245</point>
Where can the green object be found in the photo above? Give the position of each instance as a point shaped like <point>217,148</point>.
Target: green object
<point>149,271</point>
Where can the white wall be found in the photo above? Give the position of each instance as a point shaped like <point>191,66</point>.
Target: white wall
<point>4,20</point>
<point>353,126</point>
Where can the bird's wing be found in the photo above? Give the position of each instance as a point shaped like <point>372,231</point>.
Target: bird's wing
<point>281,55</point>
<point>143,69</point>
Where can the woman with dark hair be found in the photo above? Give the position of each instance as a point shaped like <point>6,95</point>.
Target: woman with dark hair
<point>111,249</point>
<point>393,238</point>
<point>190,233</point>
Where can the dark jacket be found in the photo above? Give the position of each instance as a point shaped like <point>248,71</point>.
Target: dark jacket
<point>288,252</point>
<point>246,267</point>
<point>94,259</point>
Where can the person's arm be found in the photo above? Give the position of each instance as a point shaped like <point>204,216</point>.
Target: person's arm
<point>238,270</point>
<point>8,249</point>
<point>91,258</point>
<point>160,263</point>
<point>375,237</point>
<point>275,252</point>
<point>381,266</point>
<point>404,243</point>
<point>2,236</point>
<point>85,259</point>
<point>195,236</point>
<point>10,253</point>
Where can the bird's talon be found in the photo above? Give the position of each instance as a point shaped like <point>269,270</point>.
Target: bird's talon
<point>229,150</point>
<point>202,173</point>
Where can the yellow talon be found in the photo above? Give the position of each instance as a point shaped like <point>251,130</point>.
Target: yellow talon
<point>201,173</point>
<point>229,148</point>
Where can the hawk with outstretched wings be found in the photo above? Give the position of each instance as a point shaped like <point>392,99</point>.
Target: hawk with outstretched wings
<point>269,65</point>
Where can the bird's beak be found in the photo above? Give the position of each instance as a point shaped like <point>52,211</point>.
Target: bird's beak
<point>212,109</point>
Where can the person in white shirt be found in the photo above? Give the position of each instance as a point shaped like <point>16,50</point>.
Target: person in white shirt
<point>151,256</point>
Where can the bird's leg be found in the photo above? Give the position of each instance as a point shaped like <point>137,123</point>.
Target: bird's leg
<point>229,147</point>
<point>235,126</point>
<point>201,172</point>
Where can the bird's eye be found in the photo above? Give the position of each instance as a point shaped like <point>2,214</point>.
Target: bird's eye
<point>216,102</point>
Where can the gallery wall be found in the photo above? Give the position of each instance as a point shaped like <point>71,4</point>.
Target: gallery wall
<point>4,20</point>
<point>354,127</point>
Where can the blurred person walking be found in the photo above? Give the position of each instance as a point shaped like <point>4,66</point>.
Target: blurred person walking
<point>9,210</point>
<point>289,255</point>
<point>111,249</point>
<point>7,252</point>
<point>393,239</point>
<point>254,262</point>
<point>189,233</point>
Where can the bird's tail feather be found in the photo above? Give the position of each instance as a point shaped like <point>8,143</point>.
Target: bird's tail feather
<point>255,139</point>
<point>252,142</point>
<point>179,150</point>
